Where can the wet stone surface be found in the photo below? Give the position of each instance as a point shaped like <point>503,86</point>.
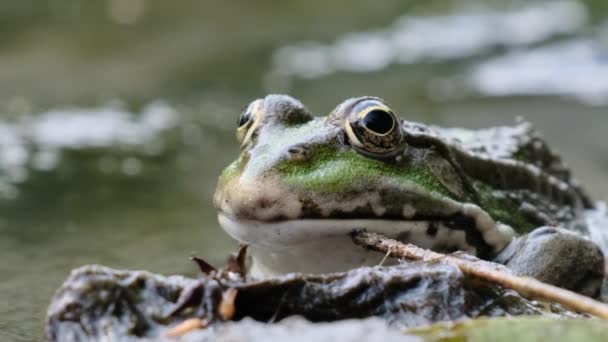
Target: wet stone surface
<point>97,302</point>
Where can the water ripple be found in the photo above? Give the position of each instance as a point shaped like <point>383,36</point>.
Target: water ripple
<point>38,141</point>
<point>577,68</point>
<point>438,38</point>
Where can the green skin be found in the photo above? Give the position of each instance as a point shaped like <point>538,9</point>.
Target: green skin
<point>497,184</point>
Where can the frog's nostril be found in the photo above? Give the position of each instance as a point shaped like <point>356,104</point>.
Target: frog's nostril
<point>297,153</point>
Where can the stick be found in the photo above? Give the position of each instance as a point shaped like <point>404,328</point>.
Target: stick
<point>484,270</point>
<point>187,326</point>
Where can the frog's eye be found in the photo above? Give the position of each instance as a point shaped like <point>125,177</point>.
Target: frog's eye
<point>245,117</point>
<point>378,121</point>
<point>248,121</point>
<point>373,129</point>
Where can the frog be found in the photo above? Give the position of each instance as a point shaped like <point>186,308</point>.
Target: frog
<point>303,183</point>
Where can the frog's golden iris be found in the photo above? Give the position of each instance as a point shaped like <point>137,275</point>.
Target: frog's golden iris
<point>373,129</point>
<point>247,122</point>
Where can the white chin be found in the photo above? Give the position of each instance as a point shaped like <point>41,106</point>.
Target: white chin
<point>324,245</point>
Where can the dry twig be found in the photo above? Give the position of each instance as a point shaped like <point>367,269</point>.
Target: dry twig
<point>187,326</point>
<point>480,269</point>
<point>227,306</point>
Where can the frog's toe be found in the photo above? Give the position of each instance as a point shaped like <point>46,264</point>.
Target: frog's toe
<point>560,257</point>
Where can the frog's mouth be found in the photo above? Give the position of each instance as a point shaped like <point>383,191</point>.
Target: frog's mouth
<point>458,232</point>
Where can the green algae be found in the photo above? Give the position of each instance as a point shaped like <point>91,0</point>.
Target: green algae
<point>519,329</point>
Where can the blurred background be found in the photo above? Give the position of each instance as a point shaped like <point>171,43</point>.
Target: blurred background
<point>117,116</point>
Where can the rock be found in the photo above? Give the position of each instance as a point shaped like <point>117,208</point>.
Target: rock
<point>298,329</point>
<point>97,302</point>
<point>558,256</point>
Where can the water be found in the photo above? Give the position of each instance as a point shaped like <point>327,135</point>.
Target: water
<point>118,116</point>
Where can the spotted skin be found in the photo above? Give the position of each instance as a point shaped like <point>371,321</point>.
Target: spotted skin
<point>302,183</point>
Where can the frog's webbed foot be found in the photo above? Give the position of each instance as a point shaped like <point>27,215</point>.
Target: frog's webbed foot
<point>558,257</point>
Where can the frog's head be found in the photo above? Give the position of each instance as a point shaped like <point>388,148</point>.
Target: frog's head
<point>300,177</point>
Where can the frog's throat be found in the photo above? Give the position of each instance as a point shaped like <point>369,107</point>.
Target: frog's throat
<point>483,238</point>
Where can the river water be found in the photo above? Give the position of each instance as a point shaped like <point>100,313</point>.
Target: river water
<point>118,116</point>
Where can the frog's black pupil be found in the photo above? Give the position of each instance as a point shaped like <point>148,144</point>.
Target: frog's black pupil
<point>378,121</point>
<point>244,118</point>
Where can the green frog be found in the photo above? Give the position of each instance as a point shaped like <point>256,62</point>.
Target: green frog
<point>302,184</point>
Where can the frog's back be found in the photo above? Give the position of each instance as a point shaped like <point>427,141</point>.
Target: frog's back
<point>519,143</point>
<point>519,164</point>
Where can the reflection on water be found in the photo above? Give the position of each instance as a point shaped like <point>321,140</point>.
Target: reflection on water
<point>37,141</point>
<point>409,40</point>
<point>577,68</point>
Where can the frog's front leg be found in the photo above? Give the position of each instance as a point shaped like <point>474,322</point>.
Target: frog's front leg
<point>558,257</point>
